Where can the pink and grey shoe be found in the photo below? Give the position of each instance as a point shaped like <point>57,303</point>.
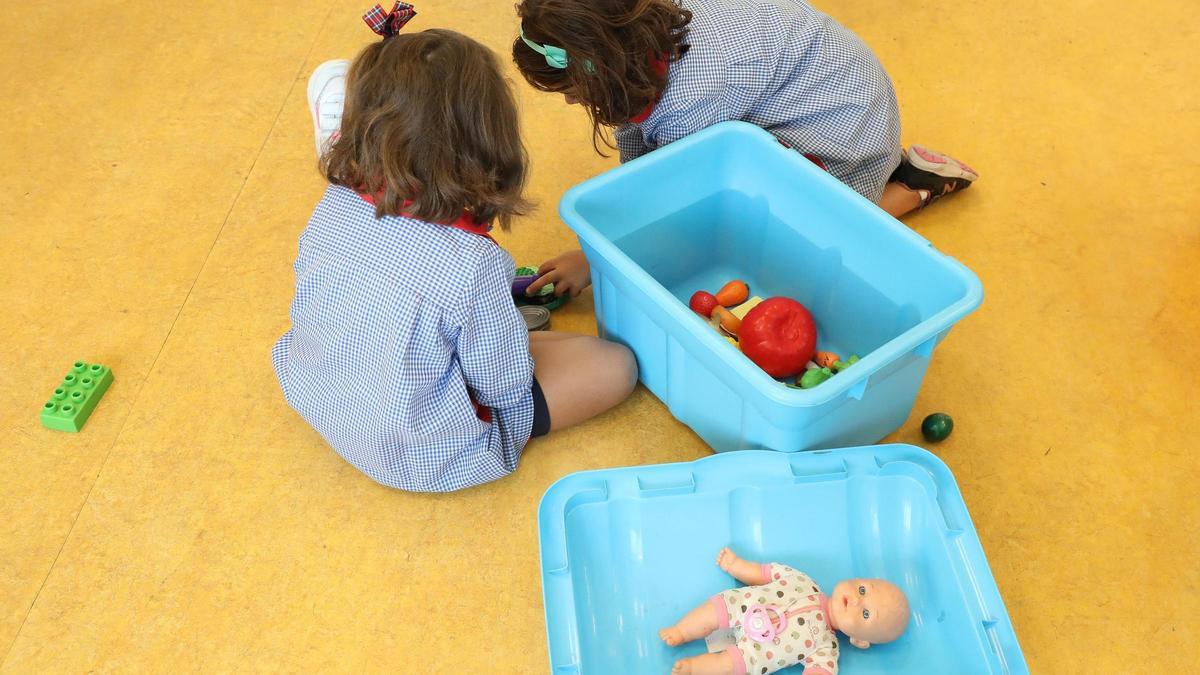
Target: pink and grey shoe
<point>931,174</point>
<point>326,96</point>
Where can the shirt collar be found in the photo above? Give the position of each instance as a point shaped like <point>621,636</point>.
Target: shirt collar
<point>660,64</point>
<point>465,222</point>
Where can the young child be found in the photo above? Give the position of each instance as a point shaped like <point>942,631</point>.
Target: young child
<point>406,351</point>
<point>658,70</point>
<point>786,620</point>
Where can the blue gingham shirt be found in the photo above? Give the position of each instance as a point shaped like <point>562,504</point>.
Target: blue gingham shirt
<point>788,68</point>
<point>396,323</point>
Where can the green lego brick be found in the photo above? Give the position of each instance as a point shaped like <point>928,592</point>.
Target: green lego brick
<point>76,397</point>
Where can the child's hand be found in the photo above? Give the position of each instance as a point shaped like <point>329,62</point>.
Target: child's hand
<point>727,559</point>
<point>568,272</point>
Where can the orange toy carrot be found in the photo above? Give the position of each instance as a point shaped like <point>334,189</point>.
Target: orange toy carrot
<point>826,359</point>
<point>729,322</point>
<point>733,293</point>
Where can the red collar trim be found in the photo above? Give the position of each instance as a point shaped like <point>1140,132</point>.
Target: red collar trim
<point>660,65</point>
<point>465,222</point>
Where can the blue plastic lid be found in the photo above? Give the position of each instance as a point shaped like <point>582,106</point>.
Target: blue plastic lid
<point>626,552</point>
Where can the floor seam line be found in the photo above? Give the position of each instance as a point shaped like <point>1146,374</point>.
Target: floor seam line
<point>170,331</point>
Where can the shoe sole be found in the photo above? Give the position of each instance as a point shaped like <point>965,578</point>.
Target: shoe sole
<point>316,82</point>
<point>936,163</point>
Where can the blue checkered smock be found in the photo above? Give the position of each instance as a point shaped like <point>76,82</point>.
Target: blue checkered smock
<point>788,68</point>
<point>396,322</point>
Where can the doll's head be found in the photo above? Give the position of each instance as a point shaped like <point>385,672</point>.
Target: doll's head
<point>868,611</point>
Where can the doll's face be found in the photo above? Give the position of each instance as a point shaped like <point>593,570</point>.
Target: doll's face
<point>869,611</point>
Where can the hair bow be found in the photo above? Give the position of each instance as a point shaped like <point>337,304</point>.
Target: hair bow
<point>388,24</point>
<point>556,57</point>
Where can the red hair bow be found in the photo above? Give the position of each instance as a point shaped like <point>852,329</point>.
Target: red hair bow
<point>389,24</point>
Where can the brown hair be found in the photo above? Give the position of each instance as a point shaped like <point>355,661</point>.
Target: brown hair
<point>618,38</point>
<point>429,118</point>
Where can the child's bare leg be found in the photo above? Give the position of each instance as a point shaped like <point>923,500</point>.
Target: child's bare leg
<point>581,376</point>
<point>898,200</point>
<point>550,336</point>
<point>705,664</point>
<point>694,625</point>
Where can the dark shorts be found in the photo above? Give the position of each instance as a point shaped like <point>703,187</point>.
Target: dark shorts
<point>541,413</point>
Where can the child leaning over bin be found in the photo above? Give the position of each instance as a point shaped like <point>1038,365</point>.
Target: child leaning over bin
<point>406,351</point>
<point>658,70</point>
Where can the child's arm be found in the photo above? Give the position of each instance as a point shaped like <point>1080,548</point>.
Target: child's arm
<point>745,571</point>
<point>630,142</point>
<point>492,347</point>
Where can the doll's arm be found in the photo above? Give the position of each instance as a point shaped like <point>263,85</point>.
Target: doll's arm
<point>745,571</point>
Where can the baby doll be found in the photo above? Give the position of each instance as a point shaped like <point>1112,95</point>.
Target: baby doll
<point>786,620</point>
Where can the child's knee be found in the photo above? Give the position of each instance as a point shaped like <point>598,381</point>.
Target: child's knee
<point>624,367</point>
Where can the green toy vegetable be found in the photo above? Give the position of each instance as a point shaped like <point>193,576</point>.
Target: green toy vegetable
<point>544,297</point>
<point>937,427</point>
<point>839,366</point>
<point>814,376</point>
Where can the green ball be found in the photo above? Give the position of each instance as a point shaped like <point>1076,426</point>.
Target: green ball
<point>937,427</point>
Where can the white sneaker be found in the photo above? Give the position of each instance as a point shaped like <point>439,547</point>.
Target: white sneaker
<point>326,96</point>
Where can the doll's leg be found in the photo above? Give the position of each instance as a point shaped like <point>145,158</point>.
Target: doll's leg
<point>705,664</point>
<point>695,624</point>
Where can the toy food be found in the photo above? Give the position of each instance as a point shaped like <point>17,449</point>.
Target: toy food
<point>521,284</point>
<point>826,359</point>
<point>733,293</point>
<point>743,309</point>
<point>536,317</point>
<point>703,303</point>
<point>839,366</point>
<point>728,321</point>
<point>814,376</point>
<point>545,297</point>
<point>937,427</point>
<point>779,336</point>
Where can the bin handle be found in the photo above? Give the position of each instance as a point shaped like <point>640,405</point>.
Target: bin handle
<point>925,349</point>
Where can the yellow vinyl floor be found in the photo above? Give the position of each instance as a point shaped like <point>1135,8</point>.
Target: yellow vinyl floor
<point>157,166</point>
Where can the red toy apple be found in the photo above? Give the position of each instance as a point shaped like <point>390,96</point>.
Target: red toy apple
<point>779,336</point>
<point>703,303</point>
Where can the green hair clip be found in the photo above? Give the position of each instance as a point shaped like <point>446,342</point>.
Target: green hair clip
<point>556,57</point>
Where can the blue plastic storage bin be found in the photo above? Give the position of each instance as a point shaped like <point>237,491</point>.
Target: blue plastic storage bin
<point>728,203</point>
<point>625,552</point>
